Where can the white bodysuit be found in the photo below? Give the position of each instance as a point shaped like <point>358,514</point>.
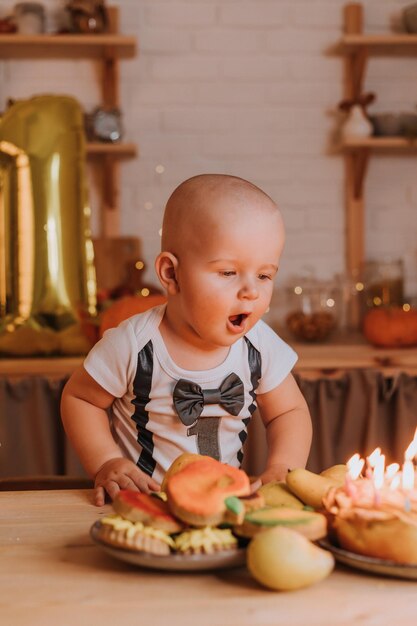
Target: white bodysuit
<point>132,363</point>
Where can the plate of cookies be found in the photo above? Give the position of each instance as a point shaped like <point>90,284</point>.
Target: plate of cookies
<point>211,550</point>
<point>203,519</point>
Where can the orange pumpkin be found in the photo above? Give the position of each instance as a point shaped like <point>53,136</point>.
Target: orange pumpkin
<point>126,307</point>
<point>391,327</point>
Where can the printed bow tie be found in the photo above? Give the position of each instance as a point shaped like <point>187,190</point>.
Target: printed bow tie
<point>189,398</point>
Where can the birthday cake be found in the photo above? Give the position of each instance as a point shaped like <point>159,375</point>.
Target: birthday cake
<point>376,514</point>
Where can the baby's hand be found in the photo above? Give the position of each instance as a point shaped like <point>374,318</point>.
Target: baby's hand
<point>118,474</point>
<point>274,472</point>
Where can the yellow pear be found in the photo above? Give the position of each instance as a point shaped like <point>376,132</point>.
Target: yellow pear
<point>282,559</point>
<point>178,464</point>
<point>308,486</point>
<point>276,493</point>
<point>337,473</point>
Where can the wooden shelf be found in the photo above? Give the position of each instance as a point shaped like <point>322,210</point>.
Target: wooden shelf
<point>380,143</point>
<point>107,49</point>
<point>357,47</point>
<point>332,359</point>
<point>50,367</point>
<point>17,46</point>
<point>335,357</point>
<point>380,43</point>
<point>112,149</point>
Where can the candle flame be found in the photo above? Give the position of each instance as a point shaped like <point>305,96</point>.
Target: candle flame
<point>392,470</point>
<point>411,451</point>
<point>391,476</point>
<point>373,457</point>
<point>379,472</point>
<point>355,466</point>
<point>408,475</point>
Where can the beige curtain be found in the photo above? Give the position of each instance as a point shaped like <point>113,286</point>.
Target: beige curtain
<point>359,412</point>
<point>355,413</point>
<point>32,438</point>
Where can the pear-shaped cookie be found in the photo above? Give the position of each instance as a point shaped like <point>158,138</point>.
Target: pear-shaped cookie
<point>282,559</point>
<point>308,486</point>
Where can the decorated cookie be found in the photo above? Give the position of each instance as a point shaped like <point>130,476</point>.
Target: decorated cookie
<point>150,510</point>
<point>308,523</point>
<point>277,493</point>
<point>180,462</point>
<point>205,541</point>
<point>197,493</point>
<point>238,507</point>
<point>282,559</point>
<point>119,532</point>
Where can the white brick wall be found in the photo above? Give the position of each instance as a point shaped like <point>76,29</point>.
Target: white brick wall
<point>247,87</point>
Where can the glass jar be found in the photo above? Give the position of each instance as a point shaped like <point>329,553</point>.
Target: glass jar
<point>384,283</point>
<point>312,309</point>
<point>29,18</point>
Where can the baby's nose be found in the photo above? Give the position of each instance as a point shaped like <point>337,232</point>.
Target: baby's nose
<point>249,291</point>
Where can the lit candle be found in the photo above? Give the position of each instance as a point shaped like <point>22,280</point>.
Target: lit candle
<point>407,483</point>
<point>391,471</point>
<point>408,472</point>
<point>354,465</point>
<point>349,486</point>
<point>395,483</point>
<point>371,461</point>
<point>411,451</point>
<point>378,477</point>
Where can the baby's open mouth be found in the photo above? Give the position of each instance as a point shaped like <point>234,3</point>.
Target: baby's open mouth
<point>237,320</point>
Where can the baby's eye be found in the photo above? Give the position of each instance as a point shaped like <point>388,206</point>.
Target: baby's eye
<point>227,273</point>
<point>264,277</point>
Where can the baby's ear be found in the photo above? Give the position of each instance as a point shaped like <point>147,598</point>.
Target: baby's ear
<point>166,268</point>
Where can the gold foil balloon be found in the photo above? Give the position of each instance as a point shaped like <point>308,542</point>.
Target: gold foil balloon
<point>47,275</point>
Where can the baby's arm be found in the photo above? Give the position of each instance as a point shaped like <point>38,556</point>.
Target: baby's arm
<point>83,410</point>
<point>288,426</point>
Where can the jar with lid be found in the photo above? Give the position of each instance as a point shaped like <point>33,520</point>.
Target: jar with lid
<point>312,309</point>
<point>29,18</point>
<point>384,283</point>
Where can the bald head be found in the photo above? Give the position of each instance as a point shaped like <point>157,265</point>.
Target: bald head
<point>205,202</point>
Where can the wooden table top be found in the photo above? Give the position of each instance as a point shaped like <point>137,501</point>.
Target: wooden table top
<point>51,574</point>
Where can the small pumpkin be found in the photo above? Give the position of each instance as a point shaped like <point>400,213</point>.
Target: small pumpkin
<point>127,306</point>
<point>391,327</point>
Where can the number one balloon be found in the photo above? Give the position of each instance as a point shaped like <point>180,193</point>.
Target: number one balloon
<point>47,275</point>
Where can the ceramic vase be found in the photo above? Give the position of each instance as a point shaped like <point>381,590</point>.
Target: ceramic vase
<point>356,124</point>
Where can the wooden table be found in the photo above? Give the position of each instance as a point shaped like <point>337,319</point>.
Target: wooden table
<point>51,574</point>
